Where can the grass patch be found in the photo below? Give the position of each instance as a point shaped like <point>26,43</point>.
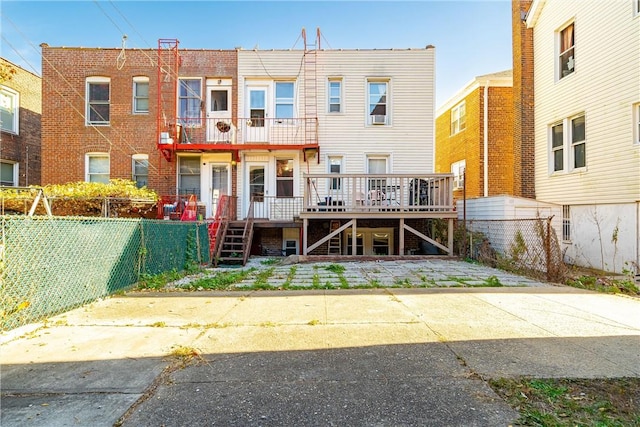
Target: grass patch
<point>220,280</point>
<point>335,268</point>
<point>270,261</point>
<point>313,322</point>
<point>290,276</point>
<point>158,325</point>
<point>402,283</point>
<point>185,354</point>
<point>158,281</point>
<point>261,279</point>
<point>492,282</point>
<point>605,284</point>
<point>572,402</point>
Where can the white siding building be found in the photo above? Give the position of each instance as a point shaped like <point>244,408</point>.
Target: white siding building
<point>587,125</point>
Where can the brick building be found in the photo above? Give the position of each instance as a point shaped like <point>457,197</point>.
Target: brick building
<point>100,118</point>
<point>20,108</point>
<point>474,134</point>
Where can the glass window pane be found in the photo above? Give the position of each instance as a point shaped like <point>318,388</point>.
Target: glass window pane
<point>99,113</point>
<point>219,100</point>
<point>284,111</point>
<point>284,90</point>
<point>190,165</point>
<point>6,173</point>
<point>142,90</point>
<point>556,136</point>
<point>284,168</point>
<point>98,165</point>
<point>579,156</point>
<point>284,188</point>
<point>99,91</point>
<point>141,166</point>
<point>577,133</point>
<point>257,99</point>
<point>142,104</point>
<point>558,160</point>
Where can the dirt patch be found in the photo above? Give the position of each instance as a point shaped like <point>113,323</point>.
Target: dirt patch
<point>572,402</point>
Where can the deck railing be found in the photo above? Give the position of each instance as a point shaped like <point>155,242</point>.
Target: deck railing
<point>378,193</point>
<point>277,208</point>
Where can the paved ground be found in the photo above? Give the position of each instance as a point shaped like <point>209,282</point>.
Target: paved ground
<point>352,357</point>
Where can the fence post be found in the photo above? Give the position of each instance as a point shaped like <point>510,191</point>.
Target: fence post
<point>547,248</point>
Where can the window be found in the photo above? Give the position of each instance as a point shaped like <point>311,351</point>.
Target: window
<point>284,178</point>
<point>566,60</point>
<point>636,122</point>
<point>378,103</point>
<point>377,165</point>
<point>8,174</point>
<point>458,118</point>
<point>557,147</point>
<point>189,175</point>
<point>335,96</point>
<point>219,101</point>
<point>335,166</point>
<point>97,168</point>
<point>458,171</point>
<point>284,100</point>
<point>568,136</point>
<point>578,142</point>
<point>98,100</point>
<point>141,95</point>
<point>189,101</point>
<point>9,109</point>
<point>566,223</point>
<point>140,169</point>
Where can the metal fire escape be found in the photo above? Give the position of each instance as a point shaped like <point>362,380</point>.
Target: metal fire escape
<point>168,131</point>
<point>311,93</point>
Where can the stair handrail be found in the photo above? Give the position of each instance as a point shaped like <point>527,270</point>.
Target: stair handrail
<point>247,235</point>
<point>222,217</point>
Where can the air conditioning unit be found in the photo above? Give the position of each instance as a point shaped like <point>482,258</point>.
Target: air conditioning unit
<point>379,119</point>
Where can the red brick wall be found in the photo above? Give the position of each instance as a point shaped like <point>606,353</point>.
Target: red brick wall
<point>523,101</point>
<point>66,138</point>
<point>468,144</point>
<point>24,148</point>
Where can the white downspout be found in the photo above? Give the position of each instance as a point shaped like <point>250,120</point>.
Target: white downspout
<point>486,139</point>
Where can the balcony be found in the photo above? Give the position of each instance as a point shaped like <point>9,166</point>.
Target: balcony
<point>378,195</point>
<point>240,134</point>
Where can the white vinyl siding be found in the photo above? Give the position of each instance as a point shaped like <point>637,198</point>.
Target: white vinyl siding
<point>410,139</point>
<point>636,123</point>
<point>604,87</point>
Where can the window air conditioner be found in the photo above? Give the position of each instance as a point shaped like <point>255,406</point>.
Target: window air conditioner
<point>379,119</point>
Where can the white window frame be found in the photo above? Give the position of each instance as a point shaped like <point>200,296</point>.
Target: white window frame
<point>284,101</point>
<point>135,160</point>
<point>636,8</point>
<point>289,180</point>
<point>332,160</point>
<point>574,144</point>
<point>187,117</point>
<point>334,100</point>
<point>88,174</point>
<point>13,97</point>
<point>458,169</point>
<point>91,81</point>
<point>378,119</point>
<point>15,172</point>
<point>568,146</point>
<point>459,118</point>
<point>560,53</point>
<point>636,122</point>
<point>180,174</point>
<point>137,82</point>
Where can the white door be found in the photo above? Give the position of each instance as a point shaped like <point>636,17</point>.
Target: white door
<point>257,114</point>
<point>219,127</point>
<point>219,185</point>
<point>257,189</point>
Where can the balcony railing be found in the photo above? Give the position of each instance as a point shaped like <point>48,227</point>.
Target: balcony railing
<point>277,208</point>
<point>426,193</point>
<point>242,131</point>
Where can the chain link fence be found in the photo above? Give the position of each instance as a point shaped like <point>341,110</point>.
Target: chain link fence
<point>527,246</point>
<point>52,264</point>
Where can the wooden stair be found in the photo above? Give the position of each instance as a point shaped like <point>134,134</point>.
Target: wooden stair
<point>235,244</point>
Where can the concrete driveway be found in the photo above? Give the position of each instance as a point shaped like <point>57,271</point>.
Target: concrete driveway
<point>355,357</point>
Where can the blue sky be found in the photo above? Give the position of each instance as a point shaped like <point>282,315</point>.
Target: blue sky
<point>471,37</point>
